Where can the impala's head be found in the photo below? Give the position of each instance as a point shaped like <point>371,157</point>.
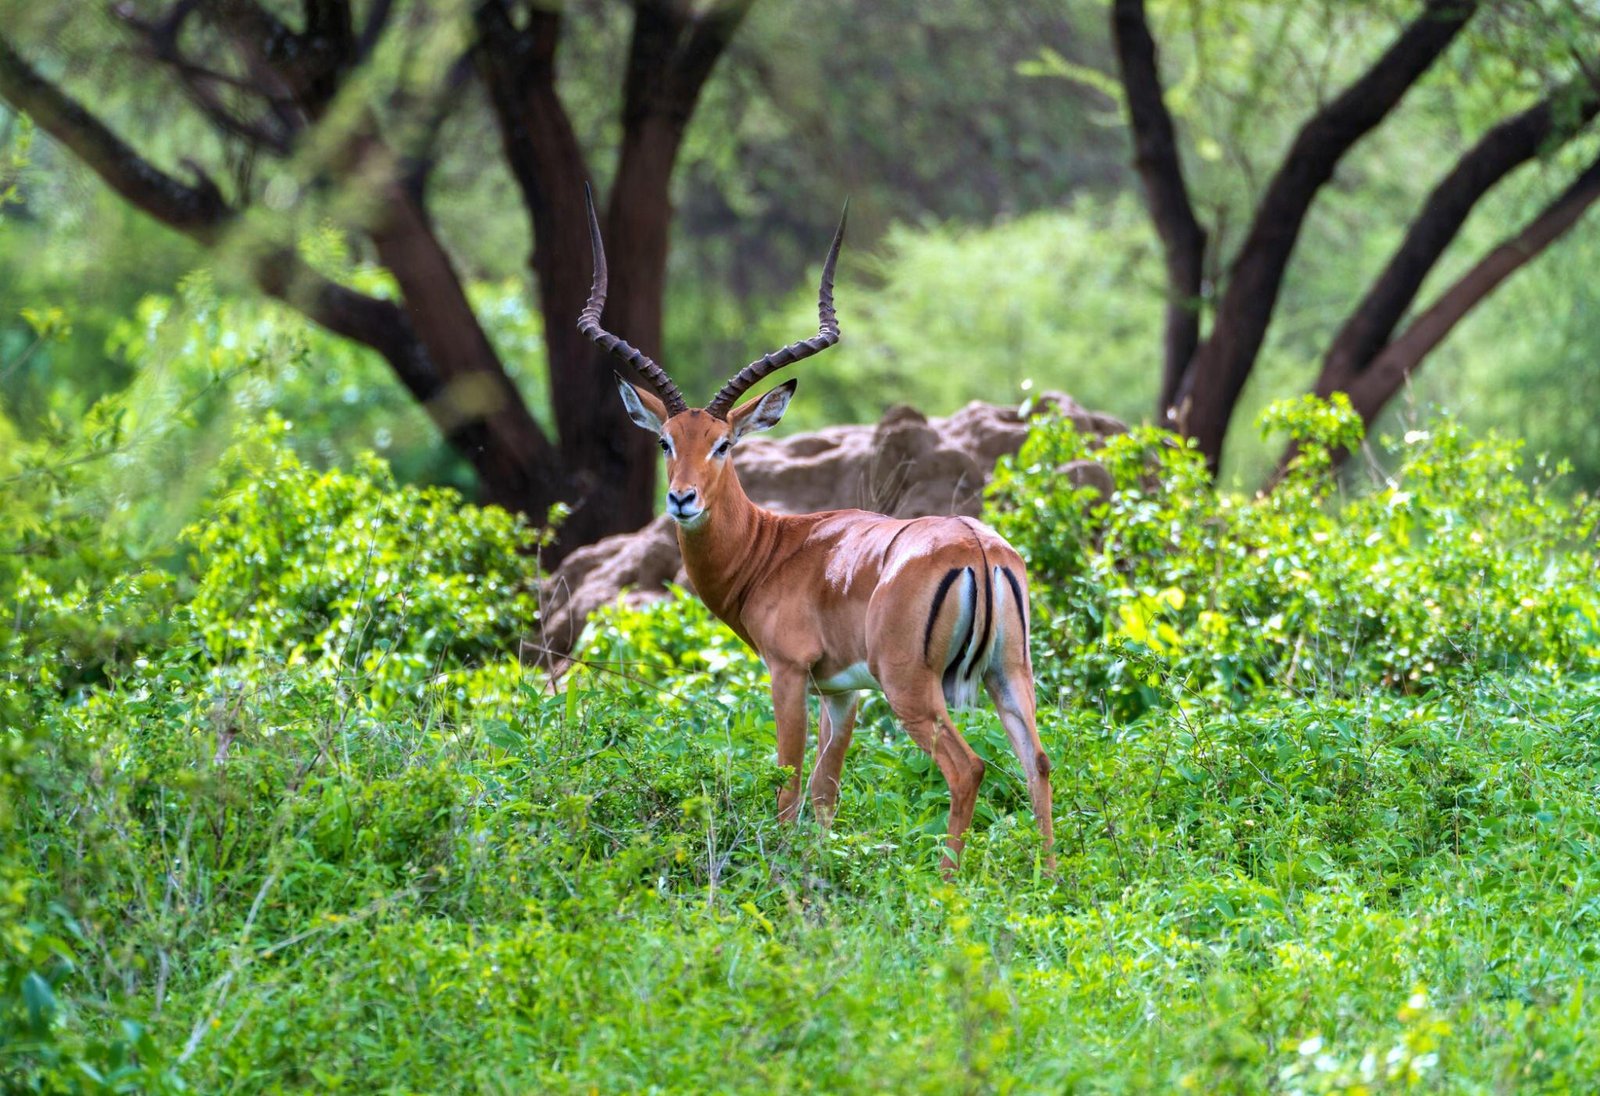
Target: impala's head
<point>699,442</point>
<point>699,445</point>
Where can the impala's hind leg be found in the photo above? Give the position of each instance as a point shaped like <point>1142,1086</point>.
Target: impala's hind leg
<point>918,703</point>
<point>1012,693</point>
<point>833,739</point>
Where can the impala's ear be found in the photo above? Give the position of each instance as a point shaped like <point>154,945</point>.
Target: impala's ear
<point>762,413</point>
<point>643,407</point>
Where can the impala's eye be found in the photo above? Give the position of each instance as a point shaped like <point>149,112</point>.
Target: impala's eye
<point>722,447</point>
<point>666,447</point>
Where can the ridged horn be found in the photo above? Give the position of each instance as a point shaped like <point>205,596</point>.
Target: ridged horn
<point>827,334</point>
<point>589,324</point>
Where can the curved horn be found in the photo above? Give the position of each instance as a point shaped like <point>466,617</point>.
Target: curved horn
<point>589,324</point>
<point>827,334</point>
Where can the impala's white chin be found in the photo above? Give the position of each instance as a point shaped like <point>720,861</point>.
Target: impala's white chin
<point>687,519</point>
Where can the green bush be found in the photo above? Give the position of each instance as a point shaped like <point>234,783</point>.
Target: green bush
<point>355,574</point>
<point>1170,588</point>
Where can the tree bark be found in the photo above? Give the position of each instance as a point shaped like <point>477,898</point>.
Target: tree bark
<point>477,404</point>
<point>1160,169</point>
<point>197,210</point>
<point>671,54</point>
<point>435,346</point>
<point>1220,367</point>
<point>1504,148</point>
<point>1394,365</point>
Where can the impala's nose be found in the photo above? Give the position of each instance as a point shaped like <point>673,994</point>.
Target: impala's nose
<point>683,505</point>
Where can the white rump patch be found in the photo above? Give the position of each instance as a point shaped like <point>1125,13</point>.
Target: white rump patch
<point>1002,595</point>
<point>852,677</point>
<point>960,692</point>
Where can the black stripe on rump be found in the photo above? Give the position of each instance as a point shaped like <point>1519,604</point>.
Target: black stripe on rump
<point>1016,595</point>
<point>938,600</point>
<point>972,613</point>
<point>988,617</point>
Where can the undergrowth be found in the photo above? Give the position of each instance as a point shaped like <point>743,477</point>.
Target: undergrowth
<point>286,812</point>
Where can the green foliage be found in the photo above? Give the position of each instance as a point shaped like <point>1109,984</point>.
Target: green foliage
<point>352,572</point>
<point>324,831</point>
<point>16,139</point>
<point>251,357</point>
<point>1456,563</point>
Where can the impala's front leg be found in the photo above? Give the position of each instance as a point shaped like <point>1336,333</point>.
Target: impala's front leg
<point>789,710</point>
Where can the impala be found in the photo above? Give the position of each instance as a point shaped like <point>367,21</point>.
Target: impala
<point>844,600</point>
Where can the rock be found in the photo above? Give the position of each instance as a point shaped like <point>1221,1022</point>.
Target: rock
<point>905,465</point>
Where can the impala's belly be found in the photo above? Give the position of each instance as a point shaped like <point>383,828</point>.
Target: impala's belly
<point>852,677</point>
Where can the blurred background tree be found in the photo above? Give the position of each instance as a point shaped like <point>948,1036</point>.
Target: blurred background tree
<point>1535,64</point>
<point>332,114</point>
<point>997,245</point>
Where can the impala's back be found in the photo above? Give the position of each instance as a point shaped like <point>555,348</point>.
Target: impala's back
<point>946,593</point>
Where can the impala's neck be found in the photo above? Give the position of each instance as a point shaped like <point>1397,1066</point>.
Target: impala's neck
<point>726,550</point>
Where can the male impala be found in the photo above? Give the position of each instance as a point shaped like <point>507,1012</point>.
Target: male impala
<point>843,600</point>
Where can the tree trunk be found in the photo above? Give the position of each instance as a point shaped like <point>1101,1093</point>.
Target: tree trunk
<point>1501,150</point>
<point>1160,169</point>
<point>671,54</point>
<point>1394,365</point>
<point>602,464</point>
<point>476,406</point>
<point>1223,363</point>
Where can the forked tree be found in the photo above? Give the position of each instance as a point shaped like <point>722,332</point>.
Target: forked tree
<point>924,610</point>
<point>301,100</point>
<point>1214,333</point>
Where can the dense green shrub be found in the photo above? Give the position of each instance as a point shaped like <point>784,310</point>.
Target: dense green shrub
<point>1170,587</point>
<point>355,574</point>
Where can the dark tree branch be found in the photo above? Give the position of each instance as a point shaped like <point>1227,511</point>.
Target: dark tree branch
<point>419,147</point>
<point>333,21</point>
<point>434,345</point>
<point>708,38</point>
<point>671,54</point>
<point>160,39</point>
<point>433,339</point>
<point>372,31</point>
<point>197,210</point>
<point>328,46</point>
<point>518,68</point>
<point>266,44</point>
<point>370,321</point>
<point>1222,364</point>
<point>307,68</point>
<point>1160,168</point>
<point>1507,146</point>
<point>200,213</point>
<point>1395,364</point>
